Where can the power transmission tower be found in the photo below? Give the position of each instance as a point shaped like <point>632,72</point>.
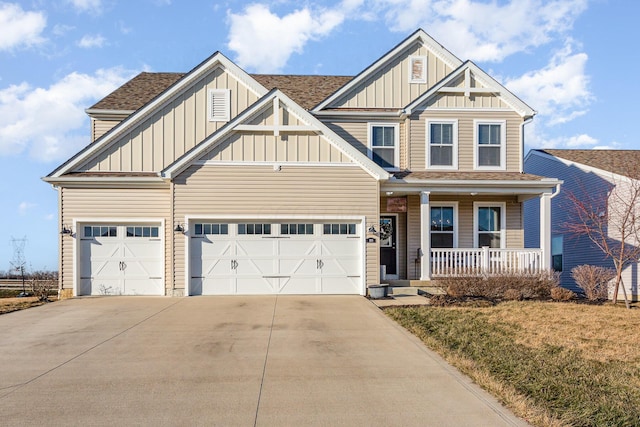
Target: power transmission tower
<point>18,262</point>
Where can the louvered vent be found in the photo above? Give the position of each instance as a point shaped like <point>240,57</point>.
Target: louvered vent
<point>219,105</point>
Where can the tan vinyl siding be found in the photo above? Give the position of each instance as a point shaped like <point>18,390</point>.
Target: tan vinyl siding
<point>514,229</point>
<point>116,203</point>
<point>259,190</point>
<point>461,101</point>
<point>390,87</point>
<point>100,127</point>
<point>466,136</point>
<point>173,129</point>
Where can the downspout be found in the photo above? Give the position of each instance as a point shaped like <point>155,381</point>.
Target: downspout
<point>529,120</point>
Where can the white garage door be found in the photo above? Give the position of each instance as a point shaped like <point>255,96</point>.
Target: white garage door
<point>273,258</point>
<point>118,259</point>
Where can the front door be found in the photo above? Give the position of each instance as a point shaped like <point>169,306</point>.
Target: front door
<point>388,239</point>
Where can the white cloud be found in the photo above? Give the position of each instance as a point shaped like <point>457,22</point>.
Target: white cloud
<point>91,6</point>
<point>24,207</point>
<point>20,28</point>
<point>480,30</point>
<point>89,41</point>
<point>62,29</point>
<point>264,41</point>
<point>50,123</point>
<point>559,91</point>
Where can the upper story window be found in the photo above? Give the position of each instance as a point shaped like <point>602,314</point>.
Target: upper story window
<point>219,105</point>
<point>490,137</point>
<point>418,69</point>
<point>383,142</point>
<point>442,144</point>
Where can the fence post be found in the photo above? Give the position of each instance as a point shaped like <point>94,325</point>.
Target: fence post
<point>485,260</point>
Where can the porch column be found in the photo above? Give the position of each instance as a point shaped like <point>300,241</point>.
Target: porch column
<point>545,230</point>
<point>425,241</point>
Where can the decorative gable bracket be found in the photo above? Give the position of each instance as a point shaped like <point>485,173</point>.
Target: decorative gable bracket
<point>467,89</point>
<point>277,127</point>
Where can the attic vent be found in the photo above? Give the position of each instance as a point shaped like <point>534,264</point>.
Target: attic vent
<point>219,105</point>
<point>418,69</point>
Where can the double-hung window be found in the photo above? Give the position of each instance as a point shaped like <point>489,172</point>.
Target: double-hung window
<point>442,144</point>
<point>443,226</point>
<point>490,151</point>
<point>489,225</point>
<point>383,141</point>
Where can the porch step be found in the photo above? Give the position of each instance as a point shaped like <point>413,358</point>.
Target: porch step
<point>414,290</point>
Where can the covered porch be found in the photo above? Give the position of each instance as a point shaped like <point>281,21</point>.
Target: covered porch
<point>433,225</point>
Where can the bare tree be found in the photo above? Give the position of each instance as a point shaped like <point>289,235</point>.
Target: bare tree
<point>611,220</point>
<point>43,283</point>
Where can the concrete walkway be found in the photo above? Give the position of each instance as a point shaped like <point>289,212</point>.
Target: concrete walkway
<point>245,361</point>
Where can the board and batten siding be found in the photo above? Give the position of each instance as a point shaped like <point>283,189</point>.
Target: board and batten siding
<point>175,127</point>
<point>265,147</point>
<point>322,191</point>
<point>466,136</point>
<point>117,203</point>
<point>100,127</point>
<point>514,229</point>
<point>389,87</point>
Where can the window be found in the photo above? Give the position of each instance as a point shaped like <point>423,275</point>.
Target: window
<point>296,228</point>
<point>443,227</point>
<point>142,231</point>
<point>254,228</point>
<point>418,69</point>
<point>339,229</point>
<point>556,252</point>
<point>442,144</point>
<point>202,229</point>
<point>489,225</point>
<point>490,145</point>
<point>383,141</point>
<point>100,231</point>
<point>219,105</point>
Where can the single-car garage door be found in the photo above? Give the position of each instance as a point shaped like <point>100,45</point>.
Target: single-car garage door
<point>117,259</point>
<point>275,258</point>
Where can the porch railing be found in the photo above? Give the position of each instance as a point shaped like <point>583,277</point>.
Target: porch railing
<point>455,262</point>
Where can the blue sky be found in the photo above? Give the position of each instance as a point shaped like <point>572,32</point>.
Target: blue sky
<point>568,59</point>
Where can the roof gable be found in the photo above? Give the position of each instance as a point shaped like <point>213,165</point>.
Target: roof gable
<point>470,80</point>
<point>620,162</point>
<point>215,62</point>
<point>399,53</point>
<point>246,121</point>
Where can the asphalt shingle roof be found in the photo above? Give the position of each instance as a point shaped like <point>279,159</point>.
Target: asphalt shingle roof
<point>466,176</point>
<point>622,162</point>
<point>307,91</point>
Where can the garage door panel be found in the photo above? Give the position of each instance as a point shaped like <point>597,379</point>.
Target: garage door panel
<point>256,285</point>
<point>297,266</point>
<point>218,286</point>
<point>297,247</point>
<point>255,247</point>
<point>143,286</point>
<point>340,247</point>
<point>299,285</point>
<point>341,266</point>
<point>340,285</point>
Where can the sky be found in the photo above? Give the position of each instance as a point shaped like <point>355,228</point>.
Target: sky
<point>58,57</point>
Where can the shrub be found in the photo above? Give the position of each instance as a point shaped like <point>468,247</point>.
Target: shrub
<point>561,294</point>
<point>43,283</point>
<point>507,286</point>
<point>593,280</point>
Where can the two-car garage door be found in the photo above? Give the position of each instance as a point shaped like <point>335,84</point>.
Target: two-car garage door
<point>262,257</point>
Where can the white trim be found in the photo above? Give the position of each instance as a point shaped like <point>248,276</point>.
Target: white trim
<point>78,222</point>
<point>397,275</point>
<point>503,221</point>
<point>423,74</point>
<point>456,223</point>
<point>274,164</point>
<point>503,144</point>
<point>465,109</point>
<point>396,142</point>
<point>454,154</point>
<point>234,219</point>
<point>213,97</point>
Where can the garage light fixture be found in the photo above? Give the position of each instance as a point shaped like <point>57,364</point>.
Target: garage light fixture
<point>179,228</point>
<point>65,230</point>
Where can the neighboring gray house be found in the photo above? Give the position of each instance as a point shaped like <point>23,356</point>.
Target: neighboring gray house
<point>597,173</point>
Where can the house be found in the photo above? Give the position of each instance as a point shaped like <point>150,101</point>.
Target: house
<point>217,181</point>
<point>598,176</point>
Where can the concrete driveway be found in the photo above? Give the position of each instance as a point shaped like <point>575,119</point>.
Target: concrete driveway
<point>266,361</point>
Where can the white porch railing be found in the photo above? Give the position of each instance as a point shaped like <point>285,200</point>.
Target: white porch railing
<point>455,262</point>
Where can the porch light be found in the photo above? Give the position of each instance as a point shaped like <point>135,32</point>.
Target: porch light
<point>179,228</point>
<point>372,230</point>
<point>65,230</point>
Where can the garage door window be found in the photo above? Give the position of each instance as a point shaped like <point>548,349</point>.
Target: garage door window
<point>296,229</point>
<point>201,229</point>
<point>100,231</point>
<point>340,229</point>
<point>142,231</point>
<point>254,228</point>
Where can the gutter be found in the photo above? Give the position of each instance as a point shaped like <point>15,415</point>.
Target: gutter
<point>527,121</point>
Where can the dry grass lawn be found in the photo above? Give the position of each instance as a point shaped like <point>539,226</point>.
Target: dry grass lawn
<point>7,305</point>
<point>554,364</point>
